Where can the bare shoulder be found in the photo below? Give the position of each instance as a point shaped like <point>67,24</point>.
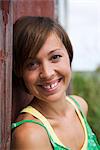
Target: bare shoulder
<point>30,136</point>
<point>82,103</point>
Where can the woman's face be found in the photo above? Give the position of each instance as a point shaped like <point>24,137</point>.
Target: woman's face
<point>47,76</point>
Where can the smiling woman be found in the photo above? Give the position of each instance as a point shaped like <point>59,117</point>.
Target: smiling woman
<point>42,60</point>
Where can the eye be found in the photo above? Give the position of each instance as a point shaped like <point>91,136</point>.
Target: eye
<point>33,65</point>
<point>55,58</point>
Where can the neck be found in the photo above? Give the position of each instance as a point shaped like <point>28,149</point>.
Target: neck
<point>53,109</point>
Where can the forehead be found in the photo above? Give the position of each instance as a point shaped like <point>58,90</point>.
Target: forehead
<point>53,42</point>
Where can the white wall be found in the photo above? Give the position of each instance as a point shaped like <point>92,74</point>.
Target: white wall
<point>81,19</point>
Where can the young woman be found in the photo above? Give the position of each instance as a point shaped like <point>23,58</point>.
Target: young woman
<point>42,60</point>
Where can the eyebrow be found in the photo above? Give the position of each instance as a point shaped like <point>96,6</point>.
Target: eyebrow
<point>51,51</point>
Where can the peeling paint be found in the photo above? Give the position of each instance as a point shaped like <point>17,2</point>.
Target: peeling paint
<point>5,10</point>
<point>3,56</point>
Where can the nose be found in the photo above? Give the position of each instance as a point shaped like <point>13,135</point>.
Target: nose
<point>47,71</point>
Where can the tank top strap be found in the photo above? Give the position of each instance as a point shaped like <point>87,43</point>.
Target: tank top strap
<point>81,116</point>
<point>73,100</point>
<point>92,140</point>
<point>17,124</point>
<point>44,121</point>
<point>78,105</point>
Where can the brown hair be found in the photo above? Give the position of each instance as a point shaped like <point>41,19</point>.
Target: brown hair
<point>30,33</point>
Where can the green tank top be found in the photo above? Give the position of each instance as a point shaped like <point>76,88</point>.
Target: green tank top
<point>91,143</point>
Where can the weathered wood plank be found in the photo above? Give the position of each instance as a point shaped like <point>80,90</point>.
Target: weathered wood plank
<point>5,73</point>
<point>33,8</point>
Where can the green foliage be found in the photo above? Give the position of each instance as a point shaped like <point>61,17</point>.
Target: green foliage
<point>87,85</point>
<point>98,69</point>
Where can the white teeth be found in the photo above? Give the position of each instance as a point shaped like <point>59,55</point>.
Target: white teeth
<point>48,87</point>
<point>51,85</point>
<point>56,84</point>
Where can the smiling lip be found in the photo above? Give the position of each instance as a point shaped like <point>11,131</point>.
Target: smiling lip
<point>50,86</point>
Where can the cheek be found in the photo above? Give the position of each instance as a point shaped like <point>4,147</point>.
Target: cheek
<point>66,70</point>
<point>66,65</point>
<point>67,74</point>
<point>29,80</point>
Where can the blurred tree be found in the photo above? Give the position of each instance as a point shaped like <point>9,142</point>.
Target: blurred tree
<point>98,69</point>
<point>87,85</point>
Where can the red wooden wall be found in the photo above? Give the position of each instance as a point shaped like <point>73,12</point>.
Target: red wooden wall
<point>5,72</point>
<point>10,10</point>
<point>33,7</point>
